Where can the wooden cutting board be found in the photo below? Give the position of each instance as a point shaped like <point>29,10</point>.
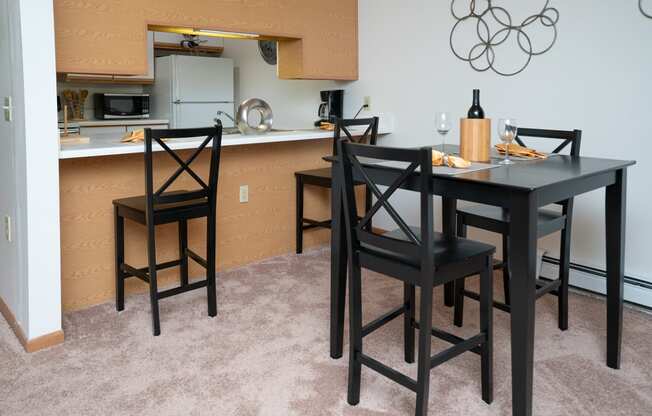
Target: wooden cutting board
<point>74,139</point>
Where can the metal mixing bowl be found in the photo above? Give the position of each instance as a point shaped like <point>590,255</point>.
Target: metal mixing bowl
<point>245,111</point>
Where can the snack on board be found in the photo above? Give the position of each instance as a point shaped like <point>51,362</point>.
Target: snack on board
<point>439,159</point>
<point>522,151</point>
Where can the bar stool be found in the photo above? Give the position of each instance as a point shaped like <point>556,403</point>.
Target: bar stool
<point>496,219</point>
<point>161,207</point>
<point>322,177</point>
<point>417,257</point>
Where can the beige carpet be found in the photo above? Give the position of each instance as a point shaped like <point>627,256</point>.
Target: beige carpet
<point>266,353</point>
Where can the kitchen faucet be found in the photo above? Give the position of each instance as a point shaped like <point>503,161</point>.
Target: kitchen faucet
<point>222,113</point>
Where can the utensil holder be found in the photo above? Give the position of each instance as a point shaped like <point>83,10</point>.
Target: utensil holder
<point>475,139</point>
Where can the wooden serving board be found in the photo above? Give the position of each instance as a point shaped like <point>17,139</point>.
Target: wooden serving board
<point>74,139</point>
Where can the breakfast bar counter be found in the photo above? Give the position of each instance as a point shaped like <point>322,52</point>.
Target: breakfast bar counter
<point>93,175</point>
<point>110,144</point>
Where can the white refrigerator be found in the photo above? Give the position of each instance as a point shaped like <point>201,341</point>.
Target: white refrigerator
<point>190,90</point>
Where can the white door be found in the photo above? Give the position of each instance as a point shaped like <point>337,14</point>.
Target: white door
<point>202,79</point>
<point>191,115</point>
<point>8,195</point>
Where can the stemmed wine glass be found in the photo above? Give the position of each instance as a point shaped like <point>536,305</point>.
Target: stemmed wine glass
<point>507,130</point>
<point>443,124</point>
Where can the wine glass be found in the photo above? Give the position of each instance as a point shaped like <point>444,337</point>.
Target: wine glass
<point>443,124</point>
<point>507,129</point>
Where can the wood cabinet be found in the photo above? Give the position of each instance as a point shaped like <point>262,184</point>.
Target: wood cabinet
<point>319,40</point>
<point>147,78</point>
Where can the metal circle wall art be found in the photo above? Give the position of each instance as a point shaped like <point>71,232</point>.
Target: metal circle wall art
<point>647,14</point>
<point>493,27</point>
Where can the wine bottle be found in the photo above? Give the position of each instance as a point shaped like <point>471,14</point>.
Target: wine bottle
<point>476,111</point>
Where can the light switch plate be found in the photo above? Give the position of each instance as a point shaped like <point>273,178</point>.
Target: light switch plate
<point>7,224</point>
<point>8,109</point>
<point>244,194</point>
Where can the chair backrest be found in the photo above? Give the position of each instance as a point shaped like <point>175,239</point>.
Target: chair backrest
<point>369,136</point>
<point>417,163</point>
<point>568,137</point>
<point>207,189</point>
<point>572,138</point>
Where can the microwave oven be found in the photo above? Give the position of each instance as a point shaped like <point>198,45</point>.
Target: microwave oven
<point>121,106</point>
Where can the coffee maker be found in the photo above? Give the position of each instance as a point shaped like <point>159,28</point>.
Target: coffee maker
<point>331,107</point>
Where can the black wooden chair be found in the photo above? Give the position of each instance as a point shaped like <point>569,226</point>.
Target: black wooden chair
<point>496,219</point>
<point>161,207</point>
<point>417,257</point>
<point>322,177</point>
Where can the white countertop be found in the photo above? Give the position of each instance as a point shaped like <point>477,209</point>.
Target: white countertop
<point>109,144</point>
<point>127,122</point>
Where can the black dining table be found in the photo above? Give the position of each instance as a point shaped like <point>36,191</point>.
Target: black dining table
<point>521,188</point>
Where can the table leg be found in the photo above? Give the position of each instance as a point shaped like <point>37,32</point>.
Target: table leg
<point>338,266</point>
<point>449,221</point>
<point>615,211</point>
<point>523,209</point>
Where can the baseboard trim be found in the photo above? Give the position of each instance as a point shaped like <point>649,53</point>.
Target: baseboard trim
<point>637,291</point>
<point>30,345</point>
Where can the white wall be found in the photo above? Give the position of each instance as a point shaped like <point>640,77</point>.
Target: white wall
<point>294,102</point>
<point>596,78</point>
<point>38,307</point>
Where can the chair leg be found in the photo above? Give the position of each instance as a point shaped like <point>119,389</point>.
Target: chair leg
<point>210,262</point>
<point>506,275</point>
<point>299,215</point>
<point>458,318</point>
<point>486,326</point>
<point>119,261</point>
<point>408,321</point>
<point>355,332</point>
<point>153,287</point>
<point>183,253</point>
<point>423,365</point>
<point>564,270</point>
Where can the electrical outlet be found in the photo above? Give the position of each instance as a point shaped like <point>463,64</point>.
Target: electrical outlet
<point>244,194</point>
<point>7,222</point>
<point>367,102</point>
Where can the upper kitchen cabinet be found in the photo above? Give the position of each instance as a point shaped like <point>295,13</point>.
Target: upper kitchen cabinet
<point>317,40</point>
<point>142,78</point>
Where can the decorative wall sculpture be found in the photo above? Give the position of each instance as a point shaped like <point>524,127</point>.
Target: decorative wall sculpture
<point>482,55</point>
<point>647,14</point>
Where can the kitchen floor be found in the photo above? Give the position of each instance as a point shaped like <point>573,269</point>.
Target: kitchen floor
<point>266,353</point>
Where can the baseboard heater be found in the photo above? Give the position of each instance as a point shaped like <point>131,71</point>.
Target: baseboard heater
<point>630,282</point>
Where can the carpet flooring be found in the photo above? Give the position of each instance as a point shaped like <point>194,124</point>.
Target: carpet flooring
<point>266,353</point>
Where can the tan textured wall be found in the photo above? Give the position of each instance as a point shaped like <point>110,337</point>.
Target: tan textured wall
<point>109,37</point>
<point>262,228</point>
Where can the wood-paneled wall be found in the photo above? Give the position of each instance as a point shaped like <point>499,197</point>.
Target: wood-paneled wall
<point>110,37</point>
<point>261,228</point>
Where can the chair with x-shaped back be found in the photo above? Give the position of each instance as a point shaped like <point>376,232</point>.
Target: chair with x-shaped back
<point>322,177</point>
<point>163,207</point>
<point>497,220</point>
<point>417,256</point>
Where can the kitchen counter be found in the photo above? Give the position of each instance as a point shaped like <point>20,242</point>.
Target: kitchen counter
<point>109,144</point>
<point>92,175</point>
<point>124,122</point>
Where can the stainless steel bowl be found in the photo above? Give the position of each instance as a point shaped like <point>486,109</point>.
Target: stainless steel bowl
<point>245,111</point>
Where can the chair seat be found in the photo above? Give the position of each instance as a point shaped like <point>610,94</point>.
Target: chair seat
<point>497,219</point>
<point>135,208</point>
<point>448,251</point>
<point>319,177</point>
